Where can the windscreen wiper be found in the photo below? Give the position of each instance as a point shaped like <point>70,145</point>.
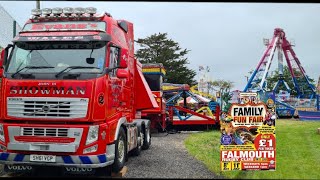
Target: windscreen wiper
<point>75,67</point>
<point>30,67</point>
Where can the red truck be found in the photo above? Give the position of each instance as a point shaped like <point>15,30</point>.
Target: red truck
<point>72,94</point>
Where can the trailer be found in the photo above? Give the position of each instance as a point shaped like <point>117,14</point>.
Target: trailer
<point>174,115</point>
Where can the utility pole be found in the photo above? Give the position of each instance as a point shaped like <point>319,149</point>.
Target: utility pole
<point>38,4</point>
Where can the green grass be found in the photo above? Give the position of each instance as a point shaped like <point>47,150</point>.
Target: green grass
<point>297,153</point>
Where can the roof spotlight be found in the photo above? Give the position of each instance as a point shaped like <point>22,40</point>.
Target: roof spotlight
<point>46,11</point>
<point>36,12</point>
<point>67,11</point>
<point>91,10</point>
<point>57,11</point>
<point>79,11</point>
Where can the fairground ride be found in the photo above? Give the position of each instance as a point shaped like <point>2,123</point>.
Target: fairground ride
<point>304,89</point>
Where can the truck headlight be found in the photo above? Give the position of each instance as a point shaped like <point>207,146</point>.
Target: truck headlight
<point>1,133</point>
<point>92,134</point>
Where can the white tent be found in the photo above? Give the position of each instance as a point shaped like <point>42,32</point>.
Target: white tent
<point>191,100</point>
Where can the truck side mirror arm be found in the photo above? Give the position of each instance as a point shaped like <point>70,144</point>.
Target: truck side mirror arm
<point>5,56</point>
<point>108,70</point>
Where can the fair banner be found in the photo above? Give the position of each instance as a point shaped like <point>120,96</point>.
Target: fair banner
<point>248,140</point>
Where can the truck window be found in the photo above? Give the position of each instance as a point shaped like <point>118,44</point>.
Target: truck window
<point>21,58</point>
<point>113,60</point>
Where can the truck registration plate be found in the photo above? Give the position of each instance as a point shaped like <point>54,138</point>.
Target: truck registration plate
<point>42,158</point>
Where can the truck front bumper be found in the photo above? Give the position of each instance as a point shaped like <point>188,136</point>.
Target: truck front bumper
<point>86,161</point>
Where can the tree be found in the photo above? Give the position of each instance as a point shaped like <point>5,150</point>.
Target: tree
<point>304,87</point>
<point>157,48</point>
<point>224,87</point>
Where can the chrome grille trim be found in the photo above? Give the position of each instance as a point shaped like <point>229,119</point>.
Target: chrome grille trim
<point>48,107</point>
<point>16,144</point>
<point>37,131</point>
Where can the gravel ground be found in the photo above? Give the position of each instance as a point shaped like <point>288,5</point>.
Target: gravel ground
<point>167,157</point>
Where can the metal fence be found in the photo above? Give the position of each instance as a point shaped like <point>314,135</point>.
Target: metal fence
<point>7,24</point>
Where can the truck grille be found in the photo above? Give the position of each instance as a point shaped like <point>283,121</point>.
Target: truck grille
<point>47,107</point>
<point>53,132</point>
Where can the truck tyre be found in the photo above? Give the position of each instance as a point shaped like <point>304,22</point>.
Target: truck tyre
<point>147,137</point>
<point>136,151</point>
<point>121,151</point>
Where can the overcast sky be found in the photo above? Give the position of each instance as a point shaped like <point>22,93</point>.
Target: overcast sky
<point>227,37</point>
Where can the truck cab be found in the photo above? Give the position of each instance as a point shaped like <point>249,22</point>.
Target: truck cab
<point>72,93</point>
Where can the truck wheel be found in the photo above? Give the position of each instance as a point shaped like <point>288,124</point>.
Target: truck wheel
<point>146,138</point>
<point>121,151</point>
<point>136,151</point>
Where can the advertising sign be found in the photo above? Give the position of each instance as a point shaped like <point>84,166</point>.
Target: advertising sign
<point>248,140</point>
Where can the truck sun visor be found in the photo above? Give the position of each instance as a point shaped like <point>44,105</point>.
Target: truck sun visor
<point>62,42</point>
<point>100,37</point>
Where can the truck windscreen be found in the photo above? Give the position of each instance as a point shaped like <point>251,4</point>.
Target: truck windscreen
<point>58,56</point>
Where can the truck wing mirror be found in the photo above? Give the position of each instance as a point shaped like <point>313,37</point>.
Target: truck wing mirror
<point>124,56</point>
<point>2,58</point>
<point>4,55</point>
<point>1,62</point>
<point>122,74</point>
